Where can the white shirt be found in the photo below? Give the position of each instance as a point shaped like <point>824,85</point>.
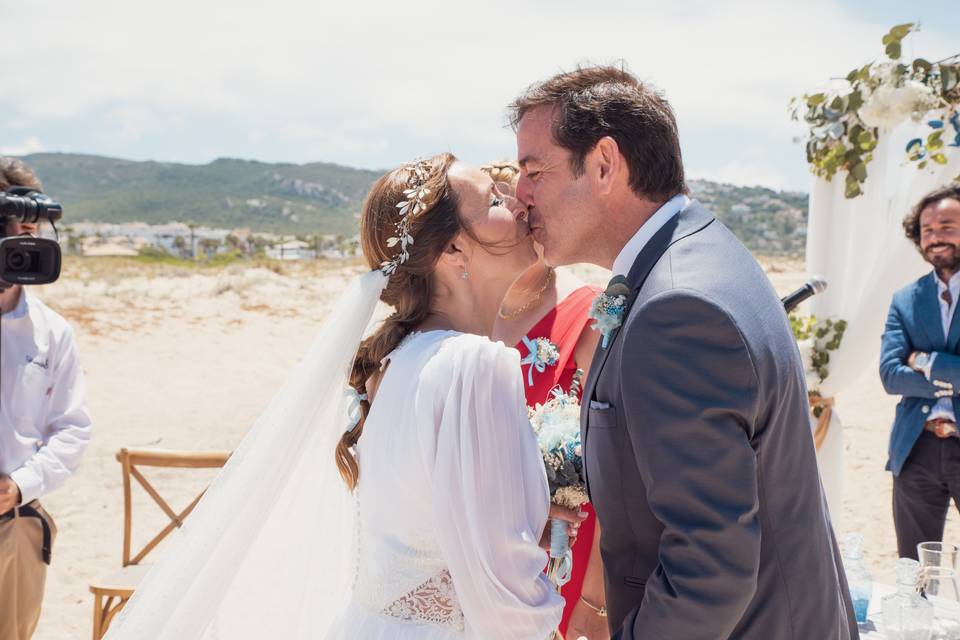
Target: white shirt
<point>628,255</point>
<point>44,424</point>
<point>944,406</point>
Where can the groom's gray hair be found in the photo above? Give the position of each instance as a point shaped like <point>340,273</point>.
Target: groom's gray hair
<point>593,102</point>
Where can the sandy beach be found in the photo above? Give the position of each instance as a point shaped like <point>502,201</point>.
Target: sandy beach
<point>186,358</point>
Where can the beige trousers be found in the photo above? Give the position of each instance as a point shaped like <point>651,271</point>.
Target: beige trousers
<point>22,574</point>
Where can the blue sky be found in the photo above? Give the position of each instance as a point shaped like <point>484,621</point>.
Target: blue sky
<point>371,84</point>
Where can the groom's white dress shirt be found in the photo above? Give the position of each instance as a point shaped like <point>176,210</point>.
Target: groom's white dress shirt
<point>44,425</point>
<point>628,255</point>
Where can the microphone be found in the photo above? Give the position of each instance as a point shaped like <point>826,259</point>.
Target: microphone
<point>815,285</point>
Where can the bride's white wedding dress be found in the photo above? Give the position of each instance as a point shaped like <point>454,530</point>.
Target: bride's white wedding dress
<point>440,542</point>
<point>452,499</point>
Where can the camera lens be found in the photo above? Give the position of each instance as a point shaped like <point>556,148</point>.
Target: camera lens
<point>18,260</point>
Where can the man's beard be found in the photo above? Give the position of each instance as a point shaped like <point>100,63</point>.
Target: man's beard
<point>948,260</point>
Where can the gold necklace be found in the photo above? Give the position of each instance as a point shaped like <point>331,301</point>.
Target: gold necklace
<point>536,298</point>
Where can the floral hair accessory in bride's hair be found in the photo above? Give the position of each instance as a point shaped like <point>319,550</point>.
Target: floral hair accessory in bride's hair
<point>414,203</point>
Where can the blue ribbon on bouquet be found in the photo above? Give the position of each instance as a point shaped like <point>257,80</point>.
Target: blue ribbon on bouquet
<point>532,359</point>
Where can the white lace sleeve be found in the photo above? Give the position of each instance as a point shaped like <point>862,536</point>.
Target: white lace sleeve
<point>490,492</point>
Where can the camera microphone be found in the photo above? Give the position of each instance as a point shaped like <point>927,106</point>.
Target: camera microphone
<point>29,206</point>
<point>815,285</point>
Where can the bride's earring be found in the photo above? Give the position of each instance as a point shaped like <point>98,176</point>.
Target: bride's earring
<point>465,275</point>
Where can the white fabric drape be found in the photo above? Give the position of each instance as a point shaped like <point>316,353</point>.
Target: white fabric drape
<point>859,246</point>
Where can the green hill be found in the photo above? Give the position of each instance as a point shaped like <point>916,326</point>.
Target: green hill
<point>284,198</point>
<point>324,198</point>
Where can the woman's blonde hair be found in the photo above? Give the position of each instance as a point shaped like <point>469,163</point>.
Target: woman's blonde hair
<point>505,171</point>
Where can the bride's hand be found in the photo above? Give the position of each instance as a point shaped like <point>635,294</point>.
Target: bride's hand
<point>573,518</point>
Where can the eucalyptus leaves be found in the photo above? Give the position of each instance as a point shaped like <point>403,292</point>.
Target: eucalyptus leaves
<point>847,121</point>
<point>816,339</point>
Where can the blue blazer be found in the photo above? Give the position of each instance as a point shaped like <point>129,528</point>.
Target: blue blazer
<point>913,324</point>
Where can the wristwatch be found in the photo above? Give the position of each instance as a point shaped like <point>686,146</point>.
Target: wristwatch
<point>922,362</point>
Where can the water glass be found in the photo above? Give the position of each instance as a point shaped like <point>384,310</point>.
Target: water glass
<point>938,583</point>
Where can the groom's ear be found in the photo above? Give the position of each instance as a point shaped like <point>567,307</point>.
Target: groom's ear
<point>608,164</point>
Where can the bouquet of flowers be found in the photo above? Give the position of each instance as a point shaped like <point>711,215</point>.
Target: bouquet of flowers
<point>557,425</point>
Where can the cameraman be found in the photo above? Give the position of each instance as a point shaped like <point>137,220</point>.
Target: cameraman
<point>44,430</point>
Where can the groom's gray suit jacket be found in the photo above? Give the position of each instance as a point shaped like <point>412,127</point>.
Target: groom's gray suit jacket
<point>699,457</point>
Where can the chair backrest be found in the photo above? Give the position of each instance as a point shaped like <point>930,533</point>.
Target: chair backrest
<point>130,460</point>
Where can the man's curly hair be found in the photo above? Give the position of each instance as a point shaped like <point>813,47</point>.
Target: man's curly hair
<point>14,173</point>
<point>911,223</point>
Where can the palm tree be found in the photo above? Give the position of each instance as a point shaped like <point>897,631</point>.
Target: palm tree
<point>209,246</point>
<point>180,244</point>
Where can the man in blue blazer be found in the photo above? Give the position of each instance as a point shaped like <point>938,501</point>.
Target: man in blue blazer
<point>920,361</point>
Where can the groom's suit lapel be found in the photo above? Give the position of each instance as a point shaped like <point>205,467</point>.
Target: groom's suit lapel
<point>690,220</point>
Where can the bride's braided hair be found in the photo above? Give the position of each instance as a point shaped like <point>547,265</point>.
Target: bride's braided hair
<point>410,290</point>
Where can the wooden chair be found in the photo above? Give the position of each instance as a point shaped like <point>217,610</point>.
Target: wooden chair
<point>111,594</point>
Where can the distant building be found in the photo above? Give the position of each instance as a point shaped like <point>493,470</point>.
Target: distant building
<point>292,250</point>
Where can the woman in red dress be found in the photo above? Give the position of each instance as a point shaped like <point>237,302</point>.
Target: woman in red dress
<point>546,304</point>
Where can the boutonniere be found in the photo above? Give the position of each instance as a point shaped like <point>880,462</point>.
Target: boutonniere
<point>609,307</point>
<point>542,354</point>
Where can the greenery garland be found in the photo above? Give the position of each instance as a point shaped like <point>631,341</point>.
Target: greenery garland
<point>846,122</point>
<point>816,339</point>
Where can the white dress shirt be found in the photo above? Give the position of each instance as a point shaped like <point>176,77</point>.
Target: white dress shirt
<point>944,407</point>
<point>44,424</point>
<point>628,255</point>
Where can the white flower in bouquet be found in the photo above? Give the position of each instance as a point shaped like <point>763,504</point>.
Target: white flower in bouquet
<point>889,105</point>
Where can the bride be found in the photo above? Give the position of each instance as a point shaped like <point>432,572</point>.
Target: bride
<point>427,526</point>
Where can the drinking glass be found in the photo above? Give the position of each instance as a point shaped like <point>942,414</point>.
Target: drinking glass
<point>938,583</point>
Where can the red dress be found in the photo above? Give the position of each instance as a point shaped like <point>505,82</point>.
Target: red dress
<point>562,326</point>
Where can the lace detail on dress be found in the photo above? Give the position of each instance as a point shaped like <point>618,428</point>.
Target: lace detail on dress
<point>434,601</point>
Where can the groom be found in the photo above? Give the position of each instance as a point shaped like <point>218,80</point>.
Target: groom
<point>698,451</point>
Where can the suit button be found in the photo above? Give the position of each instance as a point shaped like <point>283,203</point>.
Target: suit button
<point>925,409</point>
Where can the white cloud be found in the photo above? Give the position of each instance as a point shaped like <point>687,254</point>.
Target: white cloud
<point>31,145</point>
<point>326,141</point>
<point>438,73</point>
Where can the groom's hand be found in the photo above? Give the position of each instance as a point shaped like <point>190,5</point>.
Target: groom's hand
<point>573,518</point>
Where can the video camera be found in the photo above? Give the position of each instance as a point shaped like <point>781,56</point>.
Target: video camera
<point>25,259</point>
